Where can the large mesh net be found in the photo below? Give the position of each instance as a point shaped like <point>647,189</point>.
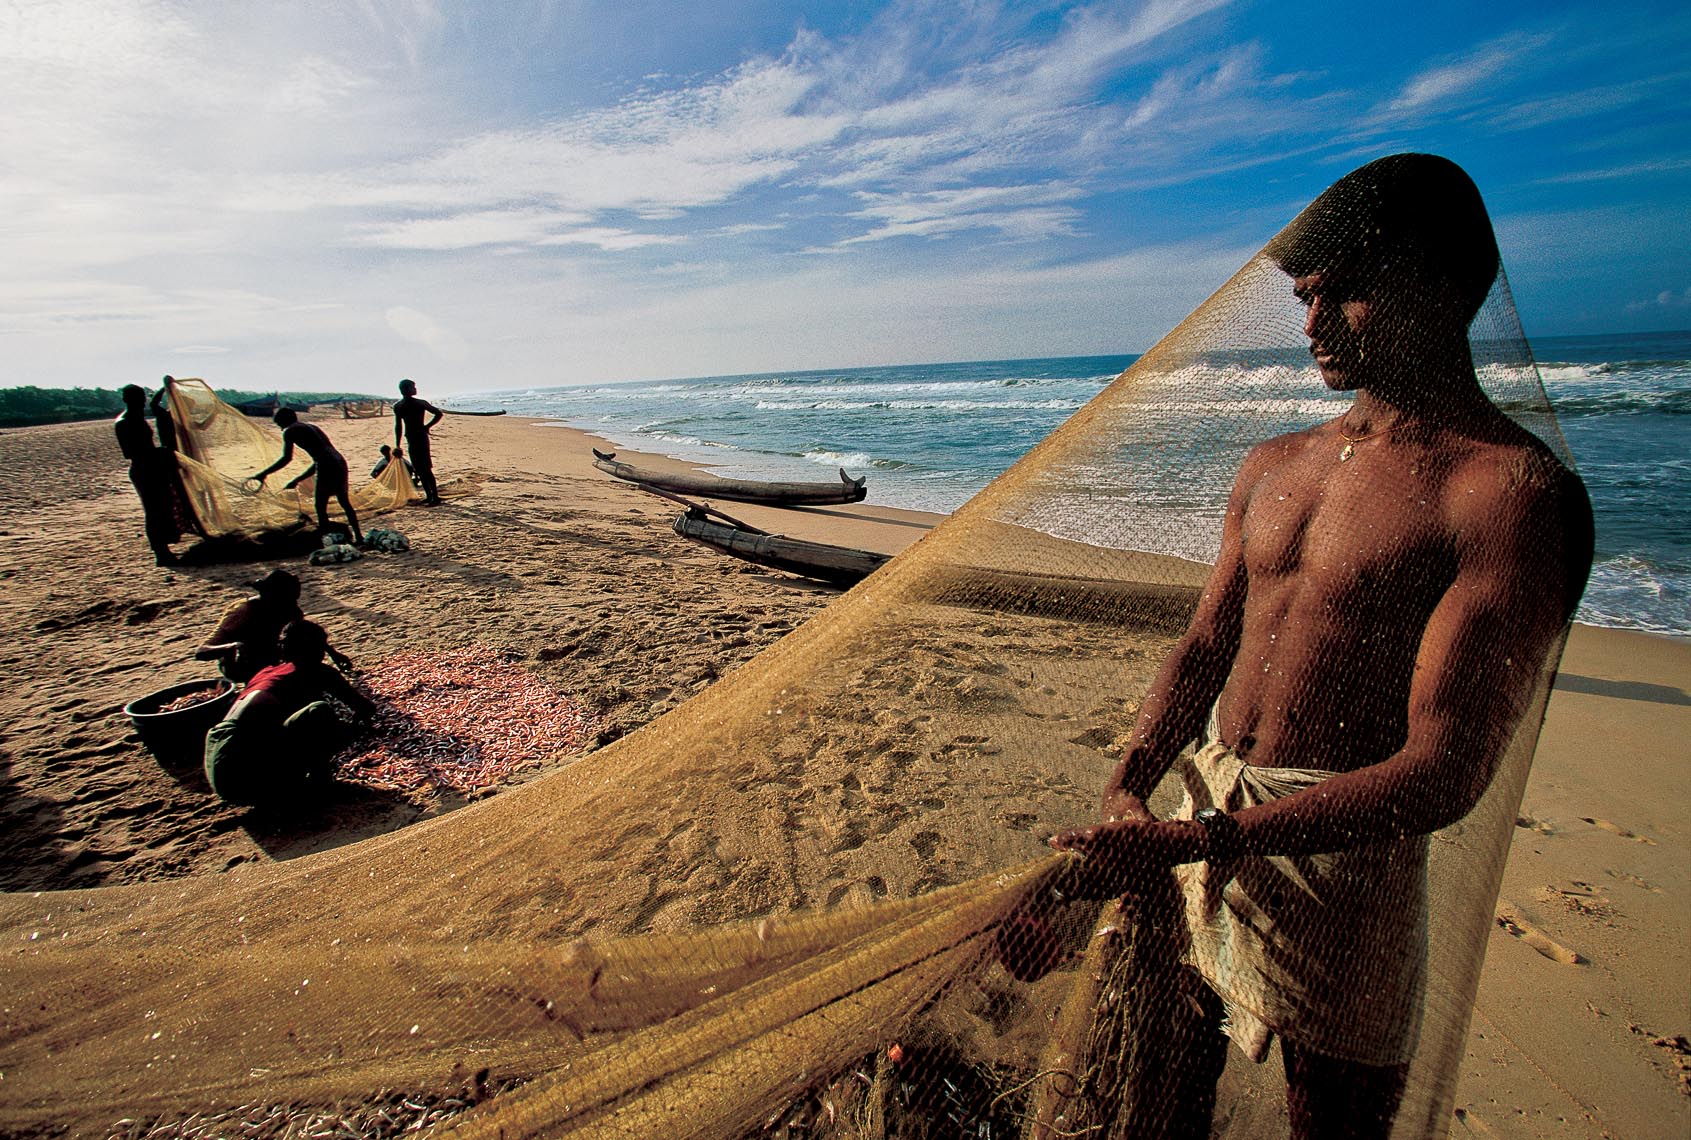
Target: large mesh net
<point>817,899</point>
<point>218,450</point>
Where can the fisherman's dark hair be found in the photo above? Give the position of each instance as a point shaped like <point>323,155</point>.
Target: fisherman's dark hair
<point>1414,212</point>
<point>303,641</point>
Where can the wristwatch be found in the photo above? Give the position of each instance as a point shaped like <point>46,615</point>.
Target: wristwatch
<point>1222,832</point>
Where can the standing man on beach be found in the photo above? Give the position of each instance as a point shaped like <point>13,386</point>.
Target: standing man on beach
<point>408,420</point>
<point>327,464</point>
<point>152,470</point>
<point>1388,587</point>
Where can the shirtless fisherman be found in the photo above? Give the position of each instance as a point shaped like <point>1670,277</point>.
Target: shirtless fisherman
<point>249,637</point>
<point>408,421</point>
<point>1388,587</point>
<point>327,464</point>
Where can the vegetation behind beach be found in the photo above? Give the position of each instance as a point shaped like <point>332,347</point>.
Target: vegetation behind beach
<point>23,406</point>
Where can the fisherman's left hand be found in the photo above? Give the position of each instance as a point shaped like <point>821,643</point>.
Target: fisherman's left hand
<point>341,660</point>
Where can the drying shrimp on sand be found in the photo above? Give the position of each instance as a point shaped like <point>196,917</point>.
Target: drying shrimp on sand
<point>459,721</point>
<point>189,700</point>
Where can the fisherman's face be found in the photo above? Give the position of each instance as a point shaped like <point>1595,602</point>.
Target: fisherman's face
<point>1338,316</point>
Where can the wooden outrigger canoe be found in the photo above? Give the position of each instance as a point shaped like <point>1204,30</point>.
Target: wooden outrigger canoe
<point>847,490</point>
<point>838,565</point>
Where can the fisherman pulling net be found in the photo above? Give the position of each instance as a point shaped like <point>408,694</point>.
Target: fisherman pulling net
<point>219,450</point>
<point>1309,758</point>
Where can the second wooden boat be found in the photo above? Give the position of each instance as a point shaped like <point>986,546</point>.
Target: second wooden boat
<point>847,490</point>
<point>837,565</point>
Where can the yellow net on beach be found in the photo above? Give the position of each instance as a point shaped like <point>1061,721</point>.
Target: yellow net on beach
<point>219,448</point>
<point>780,910</point>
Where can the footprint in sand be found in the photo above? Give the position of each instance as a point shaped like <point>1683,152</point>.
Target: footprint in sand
<point>1531,823</point>
<point>1509,918</point>
<point>1097,736</point>
<point>1473,1124</point>
<point>1635,880</point>
<point>1617,829</point>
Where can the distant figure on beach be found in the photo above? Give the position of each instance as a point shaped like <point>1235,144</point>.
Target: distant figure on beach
<point>249,637</point>
<point>274,747</point>
<point>1388,587</point>
<point>327,464</point>
<point>386,459</point>
<point>408,422</point>
<point>165,511</point>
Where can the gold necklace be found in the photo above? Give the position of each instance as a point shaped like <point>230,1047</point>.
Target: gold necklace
<point>1351,441</point>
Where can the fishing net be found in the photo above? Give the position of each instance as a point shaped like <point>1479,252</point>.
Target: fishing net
<point>817,900</point>
<point>219,448</point>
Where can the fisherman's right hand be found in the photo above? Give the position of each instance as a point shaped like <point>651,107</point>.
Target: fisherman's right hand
<point>1120,804</point>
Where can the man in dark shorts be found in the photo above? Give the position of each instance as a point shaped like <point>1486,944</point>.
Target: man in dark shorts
<point>274,746</point>
<point>326,463</point>
<point>1388,588</point>
<point>408,422</point>
<point>152,469</point>
<point>249,637</point>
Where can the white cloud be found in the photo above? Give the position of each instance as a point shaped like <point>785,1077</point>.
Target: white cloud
<point>1630,170</point>
<point>315,85</point>
<point>659,154</point>
<point>1666,299</point>
<point>1017,212</point>
<point>609,238</point>
<point>466,231</point>
<point>419,328</point>
<point>1446,83</point>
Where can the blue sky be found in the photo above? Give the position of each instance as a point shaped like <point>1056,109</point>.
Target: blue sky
<point>323,195</point>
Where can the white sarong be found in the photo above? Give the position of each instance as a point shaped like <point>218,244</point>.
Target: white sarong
<point>1327,950</point>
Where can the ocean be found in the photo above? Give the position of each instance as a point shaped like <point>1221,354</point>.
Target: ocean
<point>930,435</point>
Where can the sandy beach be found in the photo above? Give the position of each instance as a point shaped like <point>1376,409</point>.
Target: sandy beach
<point>1582,1021</point>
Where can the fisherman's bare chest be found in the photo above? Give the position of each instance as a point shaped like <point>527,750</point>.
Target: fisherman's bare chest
<point>1329,525</point>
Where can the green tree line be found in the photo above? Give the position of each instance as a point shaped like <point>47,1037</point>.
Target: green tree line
<point>20,407</point>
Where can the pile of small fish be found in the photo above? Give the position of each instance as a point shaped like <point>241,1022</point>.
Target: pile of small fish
<point>459,721</point>
<point>189,700</point>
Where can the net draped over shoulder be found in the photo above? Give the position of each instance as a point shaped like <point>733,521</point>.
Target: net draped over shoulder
<point>736,913</point>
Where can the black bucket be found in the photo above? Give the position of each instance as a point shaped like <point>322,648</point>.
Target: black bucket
<point>178,738</point>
